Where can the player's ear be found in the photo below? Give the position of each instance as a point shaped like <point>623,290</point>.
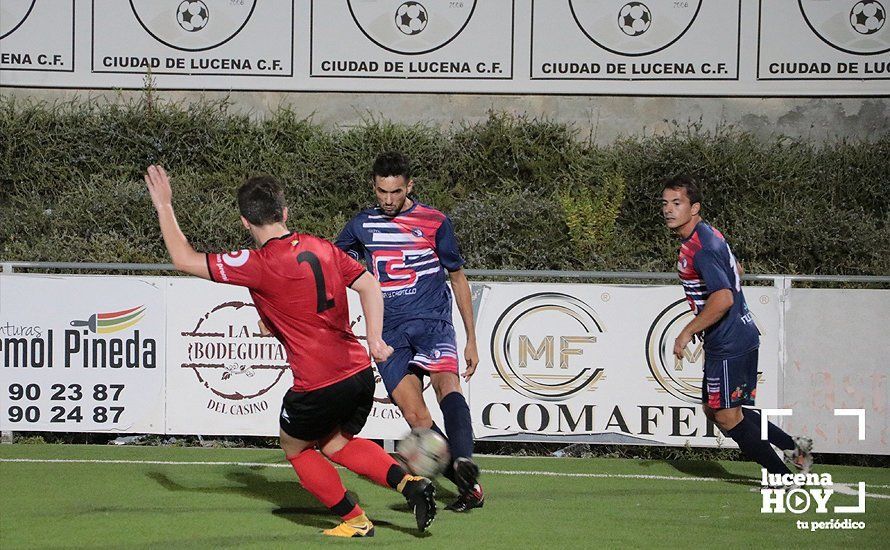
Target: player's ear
<point>410,187</point>
<point>696,208</point>
<point>245,223</point>
<point>284,215</point>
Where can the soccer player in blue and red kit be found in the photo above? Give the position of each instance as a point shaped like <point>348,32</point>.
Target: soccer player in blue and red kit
<point>711,278</point>
<point>298,285</point>
<point>412,250</point>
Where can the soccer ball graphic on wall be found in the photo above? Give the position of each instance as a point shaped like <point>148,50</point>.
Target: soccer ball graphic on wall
<point>867,16</point>
<point>411,18</point>
<point>192,15</point>
<point>634,18</point>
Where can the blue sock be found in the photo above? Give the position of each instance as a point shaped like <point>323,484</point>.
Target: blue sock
<point>449,472</point>
<point>458,425</point>
<point>747,435</point>
<point>774,433</point>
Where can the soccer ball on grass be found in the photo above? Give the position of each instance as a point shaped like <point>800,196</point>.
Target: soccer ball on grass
<point>424,453</point>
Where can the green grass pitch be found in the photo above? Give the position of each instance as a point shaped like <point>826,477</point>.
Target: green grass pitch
<point>139,497</point>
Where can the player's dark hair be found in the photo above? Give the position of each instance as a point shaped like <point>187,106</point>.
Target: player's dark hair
<point>391,163</point>
<point>683,182</point>
<point>261,200</point>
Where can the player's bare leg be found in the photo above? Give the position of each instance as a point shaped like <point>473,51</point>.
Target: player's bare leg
<point>725,419</point>
<point>408,395</point>
<point>459,428</point>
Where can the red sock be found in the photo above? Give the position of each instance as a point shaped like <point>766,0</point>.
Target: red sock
<point>368,459</point>
<point>319,477</point>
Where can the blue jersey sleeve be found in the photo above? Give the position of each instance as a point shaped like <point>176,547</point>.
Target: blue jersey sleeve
<point>708,264</point>
<point>447,247</point>
<point>348,241</point>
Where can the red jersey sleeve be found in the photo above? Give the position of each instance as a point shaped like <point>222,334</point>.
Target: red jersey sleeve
<point>241,268</point>
<point>350,269</point>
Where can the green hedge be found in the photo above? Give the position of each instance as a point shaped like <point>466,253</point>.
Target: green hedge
<point>523,193</point>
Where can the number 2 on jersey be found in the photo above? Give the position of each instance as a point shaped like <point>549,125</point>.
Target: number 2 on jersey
<point>324,303</point>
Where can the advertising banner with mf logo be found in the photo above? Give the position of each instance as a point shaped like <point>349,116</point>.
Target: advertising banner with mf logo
<point>595,363</point>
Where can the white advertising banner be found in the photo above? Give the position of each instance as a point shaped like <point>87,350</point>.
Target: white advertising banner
<point>37,36</point>
<point>837,378</point>
<point>621,40</point>
<point>202,38</point>
<point>559,362</point>
<point>594,363</point>
<point>469,39</point>
<point>634,47</point>
<point>82,354</point>
<point>815,40</point>
<point>225,378</point>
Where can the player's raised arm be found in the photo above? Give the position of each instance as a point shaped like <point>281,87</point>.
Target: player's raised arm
<point>184,257</point>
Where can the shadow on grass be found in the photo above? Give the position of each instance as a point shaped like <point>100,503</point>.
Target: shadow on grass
<point>293,502</point>
<point>706,468</point>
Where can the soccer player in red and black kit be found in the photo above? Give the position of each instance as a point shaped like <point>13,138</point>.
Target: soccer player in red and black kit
<point>298,285</point>
<point>711,278</point>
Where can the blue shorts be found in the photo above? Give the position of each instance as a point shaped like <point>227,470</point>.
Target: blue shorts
<point>730,383</point>
<point>421,346</point>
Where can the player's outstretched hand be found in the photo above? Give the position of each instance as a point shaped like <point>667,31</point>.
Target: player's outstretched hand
<point>158,186</point>
<point>471,355</point>
<point>380,350</point>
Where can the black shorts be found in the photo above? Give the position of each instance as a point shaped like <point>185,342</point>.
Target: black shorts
<point>315,414</point>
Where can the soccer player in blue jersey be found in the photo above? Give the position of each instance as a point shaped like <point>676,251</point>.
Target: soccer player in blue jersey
<point>412,250</point>
<point>711,278</point>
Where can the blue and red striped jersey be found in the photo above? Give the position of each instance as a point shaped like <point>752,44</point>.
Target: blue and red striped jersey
<point>706,265</point>
<point>409,254</point>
